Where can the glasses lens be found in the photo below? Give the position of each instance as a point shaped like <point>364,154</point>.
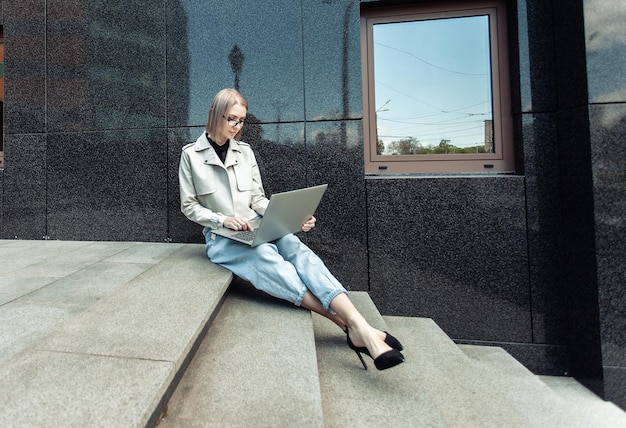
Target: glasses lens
<point>234,122</point>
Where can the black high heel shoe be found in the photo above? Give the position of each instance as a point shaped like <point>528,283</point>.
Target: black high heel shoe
<point>389,340</point>
<point>393,342</point>
<point>386,360</point>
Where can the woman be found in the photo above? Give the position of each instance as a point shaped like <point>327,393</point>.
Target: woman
<point>220,186</point>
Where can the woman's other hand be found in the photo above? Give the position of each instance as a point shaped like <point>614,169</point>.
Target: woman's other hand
<point>309,224</point>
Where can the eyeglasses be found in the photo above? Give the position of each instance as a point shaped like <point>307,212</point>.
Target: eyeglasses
<point>234,122</point>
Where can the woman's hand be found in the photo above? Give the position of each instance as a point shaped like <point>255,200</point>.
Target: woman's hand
<point>309,224</point>
<point>237,223</point>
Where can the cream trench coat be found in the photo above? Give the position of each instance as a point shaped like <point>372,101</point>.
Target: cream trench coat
<point>211,191</point>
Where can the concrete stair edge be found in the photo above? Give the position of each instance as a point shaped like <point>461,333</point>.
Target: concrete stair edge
<point>604,413</point>
<point>355,397</point>
<point>255,367</point>
<point>114,363</point>
<point>463,395</point>
<point>534,396</point>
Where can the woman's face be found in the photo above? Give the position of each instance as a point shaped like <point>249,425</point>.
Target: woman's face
<point>231,123</point>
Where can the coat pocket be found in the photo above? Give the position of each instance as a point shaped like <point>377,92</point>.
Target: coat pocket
<point>244,179</point>
<point>204,185</point>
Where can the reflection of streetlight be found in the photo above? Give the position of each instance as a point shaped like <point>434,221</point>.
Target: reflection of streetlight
<point>380,149</point>
<point>236,63</point>
<point>279,107</point>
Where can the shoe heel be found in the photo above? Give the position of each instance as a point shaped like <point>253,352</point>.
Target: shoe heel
<point>358,354</point>
<point>357,350</point>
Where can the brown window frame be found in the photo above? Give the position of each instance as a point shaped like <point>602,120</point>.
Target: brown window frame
<point>502,161</point>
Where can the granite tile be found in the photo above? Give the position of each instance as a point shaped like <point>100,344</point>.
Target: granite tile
<point>24,196</point>
<point>536,56</point>
<point>108,186</point>
<point>24,29</point>
<point>335,157</point>
<point>460,260</point>
<point>180,229</point>
<point>1,202</point>
<point>30,252</point>
<point>63,262</point>
<point>332,64</point>
<point>143,253</point>
<point>570,56</point>
<point>105,65</point>
<point>280,151</point>
<point>544,216</point>
<point>401,396</point>
<point>64,389</point>
<point>541,359</point>
<point>615,385</point>
<point>144,318</point>
<point>579,247</point>
<point>246,60</point>
<point>606,50</point>
<point>608,154</point>
<point>224,385</point>
<point>22,325</point>
<point>14,288</point>
<point>178,70</point>
<point>87,286</point>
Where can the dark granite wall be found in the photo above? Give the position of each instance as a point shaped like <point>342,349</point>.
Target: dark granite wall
<point>608,154</point>
<point>102,94</point>
<point>605,44</point>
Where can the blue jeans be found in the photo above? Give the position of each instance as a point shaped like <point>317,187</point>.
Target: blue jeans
<point>285,268</point>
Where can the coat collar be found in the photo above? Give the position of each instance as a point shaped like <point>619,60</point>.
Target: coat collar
<point>211,158</point>
<point>203,143</point>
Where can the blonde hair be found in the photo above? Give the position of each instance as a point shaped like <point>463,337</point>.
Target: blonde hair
<point>222,102</point>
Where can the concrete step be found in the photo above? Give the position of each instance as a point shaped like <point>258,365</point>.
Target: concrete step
<point>99,334</point>
<point>601,413</point>
<point>531,395</point>
<point>255,367</point>
<point>462,396</point>
<point>353,397</point>
<point>119,342</point>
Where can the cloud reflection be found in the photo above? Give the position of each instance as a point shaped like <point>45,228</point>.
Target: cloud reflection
<point>604,24</point>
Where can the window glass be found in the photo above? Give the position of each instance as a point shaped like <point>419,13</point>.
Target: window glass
<point>435,90</point>
<point>449,111</point>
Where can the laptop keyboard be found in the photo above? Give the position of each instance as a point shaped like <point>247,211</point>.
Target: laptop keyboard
<point>245,235</point>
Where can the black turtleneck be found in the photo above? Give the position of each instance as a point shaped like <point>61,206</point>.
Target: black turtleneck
<point>220,150</point>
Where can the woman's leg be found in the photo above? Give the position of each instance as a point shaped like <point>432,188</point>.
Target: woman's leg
<point>361,333</point>
<point>312,303</point>
<point>262,266</point>
<point>324,290</point>
<point>320,282</point>
<point>265,267</point>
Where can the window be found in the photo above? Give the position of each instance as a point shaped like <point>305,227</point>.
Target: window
<point>436,90</point>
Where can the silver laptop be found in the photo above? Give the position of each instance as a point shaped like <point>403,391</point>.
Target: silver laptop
<point>286,213</point>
